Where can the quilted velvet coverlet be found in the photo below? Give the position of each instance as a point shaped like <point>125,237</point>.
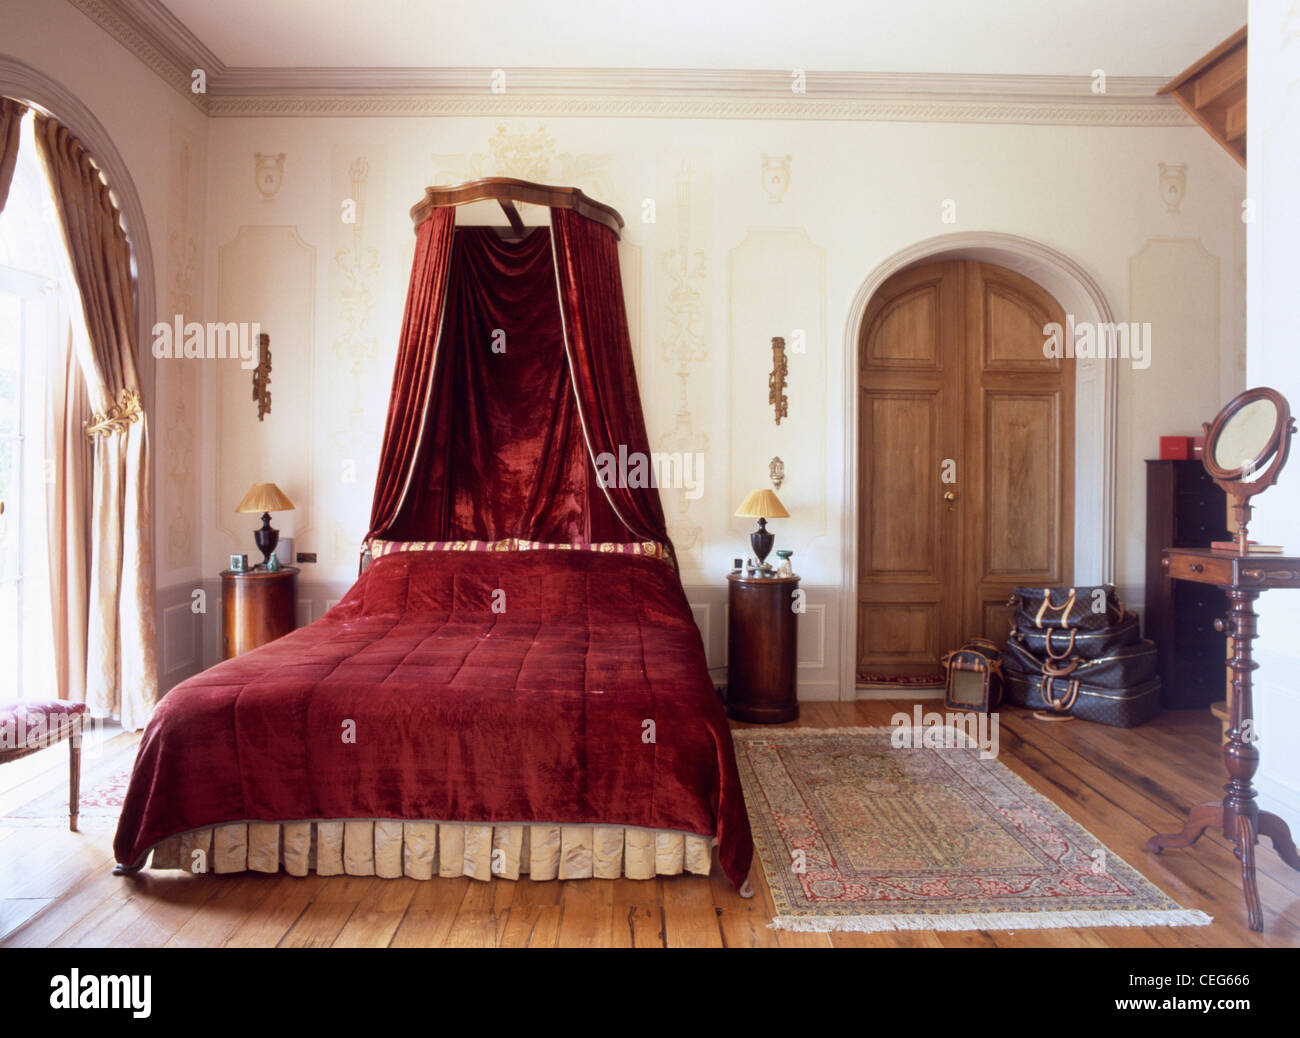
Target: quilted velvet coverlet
<point>561,687</point>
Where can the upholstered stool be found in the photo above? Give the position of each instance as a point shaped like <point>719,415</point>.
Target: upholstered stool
<point>26,727</point>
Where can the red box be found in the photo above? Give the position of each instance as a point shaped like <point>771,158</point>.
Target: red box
<point>1175,448</point>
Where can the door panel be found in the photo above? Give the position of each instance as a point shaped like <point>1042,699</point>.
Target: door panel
<point>906,334</point>
<point>1019,414</point>
<point>909,408</point>
<point>1021,527</point>
<point>898,437</point>
<point>952,371</point>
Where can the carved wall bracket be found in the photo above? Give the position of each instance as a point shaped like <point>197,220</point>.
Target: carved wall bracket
<point>776,382</point>
<point>262,377</point>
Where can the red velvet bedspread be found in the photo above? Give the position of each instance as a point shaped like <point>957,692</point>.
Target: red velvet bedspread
<point>536,714</point>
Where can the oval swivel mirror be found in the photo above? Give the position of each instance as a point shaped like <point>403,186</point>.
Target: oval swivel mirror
<point>1245,448</point>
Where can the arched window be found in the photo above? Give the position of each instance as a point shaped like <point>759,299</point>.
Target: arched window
<point>40,320</point>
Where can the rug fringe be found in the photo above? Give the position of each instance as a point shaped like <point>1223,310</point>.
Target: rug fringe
<point>792,733</point>
<point>991,921</point>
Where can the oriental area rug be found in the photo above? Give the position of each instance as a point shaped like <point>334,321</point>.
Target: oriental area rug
<point>104,778</point>
<point>855,834</point>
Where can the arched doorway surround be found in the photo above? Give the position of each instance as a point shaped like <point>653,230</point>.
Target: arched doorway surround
<point>1096,383</point>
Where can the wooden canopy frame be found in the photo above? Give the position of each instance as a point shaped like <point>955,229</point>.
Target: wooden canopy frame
<point>506,191</point>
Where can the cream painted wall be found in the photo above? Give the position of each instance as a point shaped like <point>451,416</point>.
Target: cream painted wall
<point>725,266</point>
<point>708,297</point>
<point>1273,349</point>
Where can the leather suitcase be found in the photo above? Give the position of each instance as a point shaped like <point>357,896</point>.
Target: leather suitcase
<point>1085,608</point>
<point>1055,643</point>
<point>1123,708</point>
<point>1124,667</point>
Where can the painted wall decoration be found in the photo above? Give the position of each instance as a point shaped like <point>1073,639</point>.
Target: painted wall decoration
<point>1173,185</point>
<point>357,369</point>
<point>178,384</point>
<point>515,151</point>
<point>776,176</point>
<point>684,347</point>
<point>268,174</point>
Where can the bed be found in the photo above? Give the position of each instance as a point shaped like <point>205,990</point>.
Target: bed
<point>515,684</point>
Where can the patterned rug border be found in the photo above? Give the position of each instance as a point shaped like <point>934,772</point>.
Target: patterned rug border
<point>1060,920</point>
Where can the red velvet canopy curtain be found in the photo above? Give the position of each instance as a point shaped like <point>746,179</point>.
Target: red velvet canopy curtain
<point>503,454</point>
<point>514,375</point>
<point>408,404</point>
<point>600,357</point>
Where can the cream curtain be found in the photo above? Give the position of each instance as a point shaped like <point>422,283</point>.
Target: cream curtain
<point>68,499</point>
<point>11,119</point>
<point>121,672</point>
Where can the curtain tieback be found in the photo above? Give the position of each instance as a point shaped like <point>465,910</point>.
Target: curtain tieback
<point>117,417</point>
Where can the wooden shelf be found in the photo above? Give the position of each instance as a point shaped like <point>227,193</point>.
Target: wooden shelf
<point>1213,92</point>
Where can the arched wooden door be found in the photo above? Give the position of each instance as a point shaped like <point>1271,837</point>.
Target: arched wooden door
<point>965,460</point>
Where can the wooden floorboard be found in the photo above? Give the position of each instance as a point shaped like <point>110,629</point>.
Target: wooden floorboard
<point>56,887</point>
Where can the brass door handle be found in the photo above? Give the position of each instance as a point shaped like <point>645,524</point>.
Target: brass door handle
<point>950,497</point>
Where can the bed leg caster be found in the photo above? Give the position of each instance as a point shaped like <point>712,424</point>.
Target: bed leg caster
<point>746,890</point>
<point>126,870</point>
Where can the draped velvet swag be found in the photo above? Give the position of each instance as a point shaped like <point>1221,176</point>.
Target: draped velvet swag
<point>514,375</point>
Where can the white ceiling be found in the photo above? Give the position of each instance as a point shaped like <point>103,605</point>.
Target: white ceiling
<point>1020,37</point>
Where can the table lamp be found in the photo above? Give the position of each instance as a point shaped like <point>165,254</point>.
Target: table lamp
<point>265,498</point>
<point>763,505</point>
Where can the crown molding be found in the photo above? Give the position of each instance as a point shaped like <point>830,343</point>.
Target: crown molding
<point>157,38</point>
<point>164,44</point>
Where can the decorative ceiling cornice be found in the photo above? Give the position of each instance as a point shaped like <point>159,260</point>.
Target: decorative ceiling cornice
<point>149,30</point>
<point>157,38</point>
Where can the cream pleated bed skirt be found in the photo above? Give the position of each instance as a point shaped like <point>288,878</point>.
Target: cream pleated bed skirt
<point>422,850</point>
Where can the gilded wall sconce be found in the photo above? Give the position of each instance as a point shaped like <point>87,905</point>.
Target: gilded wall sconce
<point>262,377</point>
<point>776,382</point>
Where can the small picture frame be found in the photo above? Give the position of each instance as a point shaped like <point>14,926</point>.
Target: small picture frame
<point>238,563</point>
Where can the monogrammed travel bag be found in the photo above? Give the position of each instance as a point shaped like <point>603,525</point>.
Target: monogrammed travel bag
<point>1055,642</point>
<point>1066,608</point>
<point>1121,708</point>
<point>1124,666</point>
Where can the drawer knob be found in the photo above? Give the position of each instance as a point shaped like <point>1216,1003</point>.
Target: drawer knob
<point>1196,567</point>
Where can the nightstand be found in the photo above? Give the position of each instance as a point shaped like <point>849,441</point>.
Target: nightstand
<point>762,644</point>
<point>257,606</point>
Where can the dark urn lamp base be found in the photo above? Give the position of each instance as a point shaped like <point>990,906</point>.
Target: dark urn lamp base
<point>266,538</point>
<point>761,541</point>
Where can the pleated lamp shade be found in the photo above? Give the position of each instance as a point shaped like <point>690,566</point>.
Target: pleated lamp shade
<point>762,504</point>
<point>265,497</point>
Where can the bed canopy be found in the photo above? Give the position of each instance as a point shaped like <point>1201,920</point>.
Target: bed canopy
<point>514,376</point>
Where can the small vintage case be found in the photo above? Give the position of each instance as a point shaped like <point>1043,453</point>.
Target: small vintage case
<point>1175,448</point>
<point>973,678</point>
<point>238,563</point>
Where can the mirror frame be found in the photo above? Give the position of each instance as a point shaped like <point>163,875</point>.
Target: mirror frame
<point>1276,447</point>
